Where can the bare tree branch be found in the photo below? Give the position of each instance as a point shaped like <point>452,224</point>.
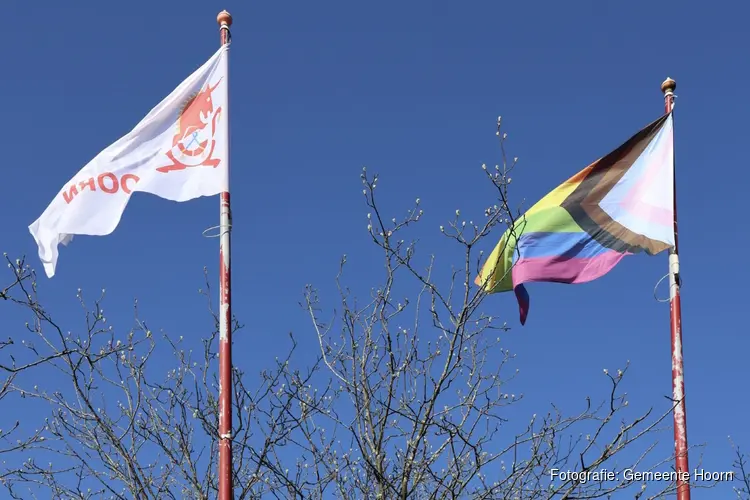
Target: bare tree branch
<point>118,428</point>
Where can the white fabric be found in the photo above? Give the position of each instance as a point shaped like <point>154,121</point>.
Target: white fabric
<point>93,201</point>
<point>643,199</point>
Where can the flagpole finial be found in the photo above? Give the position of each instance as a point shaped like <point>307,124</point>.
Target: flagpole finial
<point>224,18</point>
<point>668,85</point>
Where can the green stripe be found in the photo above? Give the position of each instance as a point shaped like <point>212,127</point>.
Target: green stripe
<point>548,220</point>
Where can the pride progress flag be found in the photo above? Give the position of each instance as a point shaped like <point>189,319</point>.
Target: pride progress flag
<point>621,204</point>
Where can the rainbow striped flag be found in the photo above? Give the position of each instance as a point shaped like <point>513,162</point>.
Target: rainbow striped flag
<point>619,205</point>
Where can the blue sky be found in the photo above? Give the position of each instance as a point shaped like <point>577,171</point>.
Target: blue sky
<point>411,90</point>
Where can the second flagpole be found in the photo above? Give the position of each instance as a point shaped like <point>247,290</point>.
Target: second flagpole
<point>675,316</point>
<point>226,490</point>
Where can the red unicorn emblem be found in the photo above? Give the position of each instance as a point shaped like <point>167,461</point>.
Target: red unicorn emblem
<point>194,141</point>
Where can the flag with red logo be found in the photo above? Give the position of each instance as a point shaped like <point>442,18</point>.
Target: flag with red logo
<point>179,151</point>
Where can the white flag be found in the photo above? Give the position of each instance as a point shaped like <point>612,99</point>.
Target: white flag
<point>179,151</point>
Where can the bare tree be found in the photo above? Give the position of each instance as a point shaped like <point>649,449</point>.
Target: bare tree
<point>741,472</point>
<point>424,405</point>
<point>119,429</point>
<point>9,442</point>
<point>408,398</point>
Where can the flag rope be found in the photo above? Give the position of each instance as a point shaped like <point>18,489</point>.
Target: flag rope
<point>222,229</point>
<point>656,296</point>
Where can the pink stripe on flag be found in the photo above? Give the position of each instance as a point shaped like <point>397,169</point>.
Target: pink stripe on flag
<point>564,269</point>
<point>656,215</point>
<point>633,202</point>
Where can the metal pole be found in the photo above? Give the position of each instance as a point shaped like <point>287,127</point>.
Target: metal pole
<point>675,314</point>
<point>226,491</point>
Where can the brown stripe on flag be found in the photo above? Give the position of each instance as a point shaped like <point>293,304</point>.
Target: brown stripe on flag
<point>583,202</point>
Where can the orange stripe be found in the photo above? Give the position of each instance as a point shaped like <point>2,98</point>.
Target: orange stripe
<point>558,195</point>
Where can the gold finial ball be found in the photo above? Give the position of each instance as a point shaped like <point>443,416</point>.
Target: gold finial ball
<point>224,18</point>
<point>668,86</point>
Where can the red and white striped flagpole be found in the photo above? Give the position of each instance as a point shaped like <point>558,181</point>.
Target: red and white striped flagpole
<point>226,491</point>
<point>675,314</point>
